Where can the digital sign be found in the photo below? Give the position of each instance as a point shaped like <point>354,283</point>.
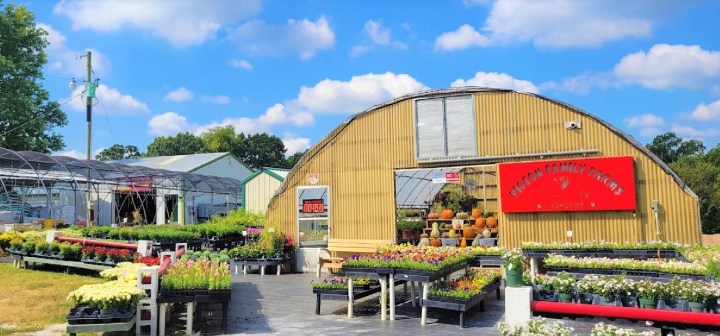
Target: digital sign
<point>313,206</point>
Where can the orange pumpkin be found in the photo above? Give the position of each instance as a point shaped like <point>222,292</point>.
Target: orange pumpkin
<point>433,215</point>
<point>447,214</point>
<point>476,213</point>
<point>491,222</point>
<point>436,242</point>
<point>463,242</point>
<point>480,223</point>
<point>469,232</point>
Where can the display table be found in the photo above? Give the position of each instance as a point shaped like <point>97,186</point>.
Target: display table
<point>262,263</point>
<point>73,329</point>
<point>66,263</point>
<point>462,305</point>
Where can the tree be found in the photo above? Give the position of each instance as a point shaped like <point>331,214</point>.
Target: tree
<point>292,160</point>
<point>669,147</point>
<point>262,150</point>
<point>703,178</point>
<point>180,144</point>
<point>223,139</point>
<point>118,152</point>
<point>26,116</point>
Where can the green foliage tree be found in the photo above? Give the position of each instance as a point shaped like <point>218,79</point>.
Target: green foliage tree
<point>669,147</point>
<point>180,144</point>
<point>292,160</point>
<point>223,139</point>
<point>118,152</point>
<point>703,177</point>
<point>262,150</point>
<point>26,116</point>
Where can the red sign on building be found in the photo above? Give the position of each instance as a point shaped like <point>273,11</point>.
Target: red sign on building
<point>452,177</point>
<point>568,185</point>
<point>313,206</point>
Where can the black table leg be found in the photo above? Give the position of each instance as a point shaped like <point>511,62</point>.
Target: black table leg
<point>317,305</point>
<point>225,308</point>
<point>462,319</point>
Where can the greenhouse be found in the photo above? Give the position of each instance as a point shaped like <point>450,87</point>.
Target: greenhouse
<point>35,187</point>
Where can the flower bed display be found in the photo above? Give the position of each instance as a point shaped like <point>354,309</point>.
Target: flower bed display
<point>425,259</point>
<point>270,245</point>
<point>642,250</point>
<point>664,269</point>
<point>464,293</point>
<point>216,257</point>
<point>107,297</point>
<point>486,256</point>
<point>196,275</point>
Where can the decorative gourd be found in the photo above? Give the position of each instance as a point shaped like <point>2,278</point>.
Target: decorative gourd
<point>424,240</point>
<point>494,231</point>
<point>452,232</point>
<point>461,215</point>
<point>476,241</point>
<point>463,242</point>
<point>436,242</point>
<point>469,232</point>
<point>480,223</point>
<point>446,214</point>
<point>433,215</point>
<point>476,213</point>
<point>491,222</point>
<point>487,233</point>
<point>435,233</point>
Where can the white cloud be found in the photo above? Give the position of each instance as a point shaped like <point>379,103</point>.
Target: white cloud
<point>567,23</point>
<point>379,36</point>
<point>648,124</point>
<point>464,37</point>
<point>498,81</point>
<point>691,132</point>
<point>581,84</point>
<point>216,99</point>
<point>68,61</point>
<point>169,123</point>
<point>181,23</point>
<point>357,94</point>
<point>667,66</point>
<point>112,100</point>
<point>302,37</point>
<point>241,63</point>
<point>281,114</point>
<point>241,125</point>
<point>295,144</point>
<point>709,112</point>
<point>180,95</point>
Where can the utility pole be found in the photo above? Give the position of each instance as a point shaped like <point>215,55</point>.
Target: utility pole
<point>89,94</point>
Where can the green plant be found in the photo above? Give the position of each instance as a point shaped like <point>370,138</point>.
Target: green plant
<point>648,290</point>
<point>55,247</point>
<point>28,246</point>
<point>563,283</point>
<point>42,246</point>
<point>535,326</point>
<point>514,259</point>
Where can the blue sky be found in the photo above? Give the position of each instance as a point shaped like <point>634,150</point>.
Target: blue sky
<point>297,69</point>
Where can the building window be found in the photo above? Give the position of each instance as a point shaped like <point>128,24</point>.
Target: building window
<point>313,216</point>
<point>445,127</point>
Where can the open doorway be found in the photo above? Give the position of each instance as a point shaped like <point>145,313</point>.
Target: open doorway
<point>128,203</point>
<point>171,208</point>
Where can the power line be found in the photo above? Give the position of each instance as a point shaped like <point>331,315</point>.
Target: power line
<point>34,119</point>
<point>102,102</point>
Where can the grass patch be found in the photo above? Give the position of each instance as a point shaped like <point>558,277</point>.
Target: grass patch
<point>34,299</point>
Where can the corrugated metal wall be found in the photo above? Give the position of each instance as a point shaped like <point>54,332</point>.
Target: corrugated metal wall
<point>357,161</point>
<point>259,190</point>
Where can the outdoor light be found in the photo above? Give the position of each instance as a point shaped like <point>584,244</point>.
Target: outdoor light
<point>72,84</point>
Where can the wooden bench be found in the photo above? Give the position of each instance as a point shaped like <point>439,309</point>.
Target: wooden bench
<point>330,257</point>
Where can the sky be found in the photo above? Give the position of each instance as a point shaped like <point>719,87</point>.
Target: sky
<point>298,69</point>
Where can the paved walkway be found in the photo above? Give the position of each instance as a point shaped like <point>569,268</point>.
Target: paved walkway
<point>285,305</point>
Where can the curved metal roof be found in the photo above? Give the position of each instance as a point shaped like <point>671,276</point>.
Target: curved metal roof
<point>465,90</point>
<point>47,170</point>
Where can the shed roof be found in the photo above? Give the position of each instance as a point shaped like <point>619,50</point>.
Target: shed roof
<point>182,163</point>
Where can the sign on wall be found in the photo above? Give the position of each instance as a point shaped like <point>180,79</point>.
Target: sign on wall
<point>452,177</point>
<point>568,185</point>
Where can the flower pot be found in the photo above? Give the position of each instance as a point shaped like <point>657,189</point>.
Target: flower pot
<point>697,307</point>
<point>565,297</point>
<point>629,301</point>
<point>513,277</point>
<point>648,303</point>
<point>406,234</point>
<point>586,298</point>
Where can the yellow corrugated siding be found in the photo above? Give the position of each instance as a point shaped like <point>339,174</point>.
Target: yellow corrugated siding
<point>358,163</point>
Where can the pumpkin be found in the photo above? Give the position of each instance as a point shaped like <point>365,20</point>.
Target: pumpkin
<point>463,242</point>
<point>433,215</point>
<point>480,223</point>
<point>452,232</point>
<point>476,213</point>
<point>486,233</point>
<point>461,215</point>
<point>424,240</point>
<point>436,242</point>
<point>494,231</point>
<point>491,222</point>
<point>476,241</point>
<point>469,232</point>
<point>446,214</point>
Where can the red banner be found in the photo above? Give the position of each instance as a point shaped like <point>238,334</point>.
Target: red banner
<point>568,185</point>
<point>135,184</point>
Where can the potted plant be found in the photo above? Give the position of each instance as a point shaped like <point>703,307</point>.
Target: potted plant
<point>648,293</point>
<point>514,262</point>
<point>628,292</point>
<point>695,294</point>
<point>564,285</point>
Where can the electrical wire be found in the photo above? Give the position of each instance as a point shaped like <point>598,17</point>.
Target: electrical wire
<point>102,102</point>
<point>34,119</point>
